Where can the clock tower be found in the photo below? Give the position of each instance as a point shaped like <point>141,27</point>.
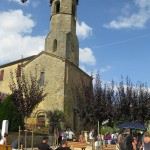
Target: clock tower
<point>62,40</point>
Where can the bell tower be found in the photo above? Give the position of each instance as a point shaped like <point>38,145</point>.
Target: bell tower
<point>62,40</point>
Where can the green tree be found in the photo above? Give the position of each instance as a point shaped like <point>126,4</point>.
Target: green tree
<point>10,113</point>
<point>94,103</point>
<point>55,117</point>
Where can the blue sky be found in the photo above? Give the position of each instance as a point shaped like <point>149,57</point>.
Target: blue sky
<point>114,35</point>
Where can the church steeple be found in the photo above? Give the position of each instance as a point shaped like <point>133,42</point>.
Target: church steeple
<point>62,40</point>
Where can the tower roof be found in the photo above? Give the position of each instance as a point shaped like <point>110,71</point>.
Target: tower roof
<point>52,1</point>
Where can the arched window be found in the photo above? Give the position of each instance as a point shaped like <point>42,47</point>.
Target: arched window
<point>73,10</point>
<point>55,46</point>
<point>57,7</point>
<point>41,120</point>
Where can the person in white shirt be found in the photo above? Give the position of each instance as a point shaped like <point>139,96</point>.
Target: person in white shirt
<point>91,135</point>
<point>70,135</point>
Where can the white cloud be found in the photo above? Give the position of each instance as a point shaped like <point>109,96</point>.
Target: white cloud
<point>15,41</point>
<point>86,56</point>
<point>14,21</point>
<point>105,69</point>
<point>83,30</point>
<point>134,20</point>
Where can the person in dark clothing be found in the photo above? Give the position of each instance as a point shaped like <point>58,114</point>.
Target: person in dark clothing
<point>63,145</point>
<point>129,140</point>
<point>14,144</point>
<point>44,145</point>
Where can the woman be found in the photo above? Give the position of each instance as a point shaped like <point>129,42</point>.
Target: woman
<point>119,140</point>
<point>82,137</point>
<point>146,142</point>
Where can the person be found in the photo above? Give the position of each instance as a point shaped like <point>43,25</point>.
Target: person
<point>63,145</point>
<point>14,144</point>
<point>44,145</point>
<point>108,136</point>
<point>134,143</point>
<point>146,142</point>
<point>3,141</point>
<point>114,137</point>
<point>91,135</point>
<point>128,140</point>
<point>60,135</point>
<point>82,137</point>
<point>64,135</point>
<point>97,144</point>
<point>67,135</point>
<point>70,135</point>
<point>139,140</point>
<point>119,140</point>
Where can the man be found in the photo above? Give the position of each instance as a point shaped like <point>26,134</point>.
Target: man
<point>14,144</point>
<point>70,135</point>
<point>128,144</point>
<point>44,145</point>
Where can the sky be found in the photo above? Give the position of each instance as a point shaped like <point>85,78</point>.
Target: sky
<point>114,35</point>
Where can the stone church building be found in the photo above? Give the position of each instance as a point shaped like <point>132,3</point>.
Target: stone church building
<point>57,65</point>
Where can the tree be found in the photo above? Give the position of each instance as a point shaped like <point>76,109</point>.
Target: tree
<point>27,91</point>
<point>132,102</point>
<point>94,103</point>
<point>82,102</point>
<point>55,117</point>
<point>8,112</point>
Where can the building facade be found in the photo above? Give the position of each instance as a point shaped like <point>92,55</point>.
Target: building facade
<point>57,65</point>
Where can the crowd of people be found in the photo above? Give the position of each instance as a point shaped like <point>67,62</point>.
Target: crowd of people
<point>129,140</point>
<point>124,140</point>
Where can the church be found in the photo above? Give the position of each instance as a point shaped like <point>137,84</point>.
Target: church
<point>57,64</point>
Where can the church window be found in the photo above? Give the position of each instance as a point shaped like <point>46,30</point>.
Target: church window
<point>19,71</point>
<point>41,120</point>
<point>73,10</point>
<point>1,75</point>
<point>55,46</point>
<point>42,78</point>
<point>57,7</point>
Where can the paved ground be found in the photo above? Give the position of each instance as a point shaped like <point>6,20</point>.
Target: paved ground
<point>88,148</point>
<point>109,147</point>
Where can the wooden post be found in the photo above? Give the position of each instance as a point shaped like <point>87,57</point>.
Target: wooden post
<point>32,139</point>
<point>25,132</point>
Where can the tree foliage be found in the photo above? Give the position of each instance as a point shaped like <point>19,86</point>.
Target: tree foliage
<point>120,102</point>
<point>27,91</point>
<point>10,113</point>
<point>93,103</point>
<point>132,102</point>
<point>55,117</point>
